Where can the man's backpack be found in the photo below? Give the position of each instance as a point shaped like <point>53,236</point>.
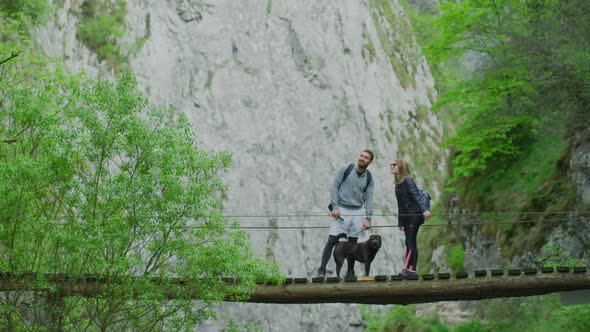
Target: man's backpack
<point>426,198</point>
<point>346,172</point>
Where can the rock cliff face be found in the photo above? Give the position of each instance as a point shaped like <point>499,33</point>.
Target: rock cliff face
<point>580,170</point>
<point>294,90</point>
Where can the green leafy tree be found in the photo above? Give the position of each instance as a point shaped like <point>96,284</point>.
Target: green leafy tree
<point>558,55</point>
<point>102,24</point>
<point>35,10</point>
<point>495,100</point>
<point>94,182</point>
<point>401,318</point>
<point>528,80</point>
<point>535,313</point>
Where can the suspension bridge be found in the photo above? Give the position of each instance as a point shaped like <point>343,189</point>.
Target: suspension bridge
<point>381,289</point>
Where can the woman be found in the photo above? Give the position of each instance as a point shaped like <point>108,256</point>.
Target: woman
<point>411,212</point>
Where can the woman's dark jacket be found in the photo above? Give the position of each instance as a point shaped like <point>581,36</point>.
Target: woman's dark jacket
<point>409,201</point>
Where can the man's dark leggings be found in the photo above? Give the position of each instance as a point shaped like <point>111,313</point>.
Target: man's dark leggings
<point>332,241</point>
<point>411,232</point>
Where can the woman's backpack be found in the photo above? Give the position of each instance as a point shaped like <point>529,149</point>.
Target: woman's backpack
<point>426,198</point>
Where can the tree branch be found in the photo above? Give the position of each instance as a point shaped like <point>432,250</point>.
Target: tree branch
<point>12,56</point>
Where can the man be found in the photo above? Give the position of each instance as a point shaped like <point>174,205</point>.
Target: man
<point>350,191</point>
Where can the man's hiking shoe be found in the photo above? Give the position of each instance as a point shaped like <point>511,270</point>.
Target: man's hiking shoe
<point>321,273</point>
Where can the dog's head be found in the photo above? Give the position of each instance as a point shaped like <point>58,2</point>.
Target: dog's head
<point>375,242</point>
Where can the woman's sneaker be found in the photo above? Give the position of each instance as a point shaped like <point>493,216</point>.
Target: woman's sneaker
<point>407,272</point>
<point>404,273</point>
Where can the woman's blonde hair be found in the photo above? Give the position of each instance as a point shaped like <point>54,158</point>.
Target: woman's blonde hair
<point>403,170</point>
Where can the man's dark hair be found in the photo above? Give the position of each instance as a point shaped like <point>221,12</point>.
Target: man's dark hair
<point>370,153</point>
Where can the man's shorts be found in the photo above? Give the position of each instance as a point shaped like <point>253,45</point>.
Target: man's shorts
<point>351,223</point>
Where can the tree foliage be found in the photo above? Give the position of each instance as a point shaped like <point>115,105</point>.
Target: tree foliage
<point>531,54</point>
<point>535,313</point>
<point>34,10</point>
<point>93,181</point>
<point>102,24</point>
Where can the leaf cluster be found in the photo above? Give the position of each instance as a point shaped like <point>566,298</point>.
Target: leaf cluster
<point>538,313</point>
<point>35,10</point>
<point>102,24</point>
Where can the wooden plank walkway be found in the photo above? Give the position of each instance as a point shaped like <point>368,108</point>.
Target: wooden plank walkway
<point>393,289</point>
<point>383,289</point>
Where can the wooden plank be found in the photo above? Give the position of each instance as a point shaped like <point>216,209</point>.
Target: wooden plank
<point>420,291</point>
<point>381,278</point>
<point>365,278</point>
